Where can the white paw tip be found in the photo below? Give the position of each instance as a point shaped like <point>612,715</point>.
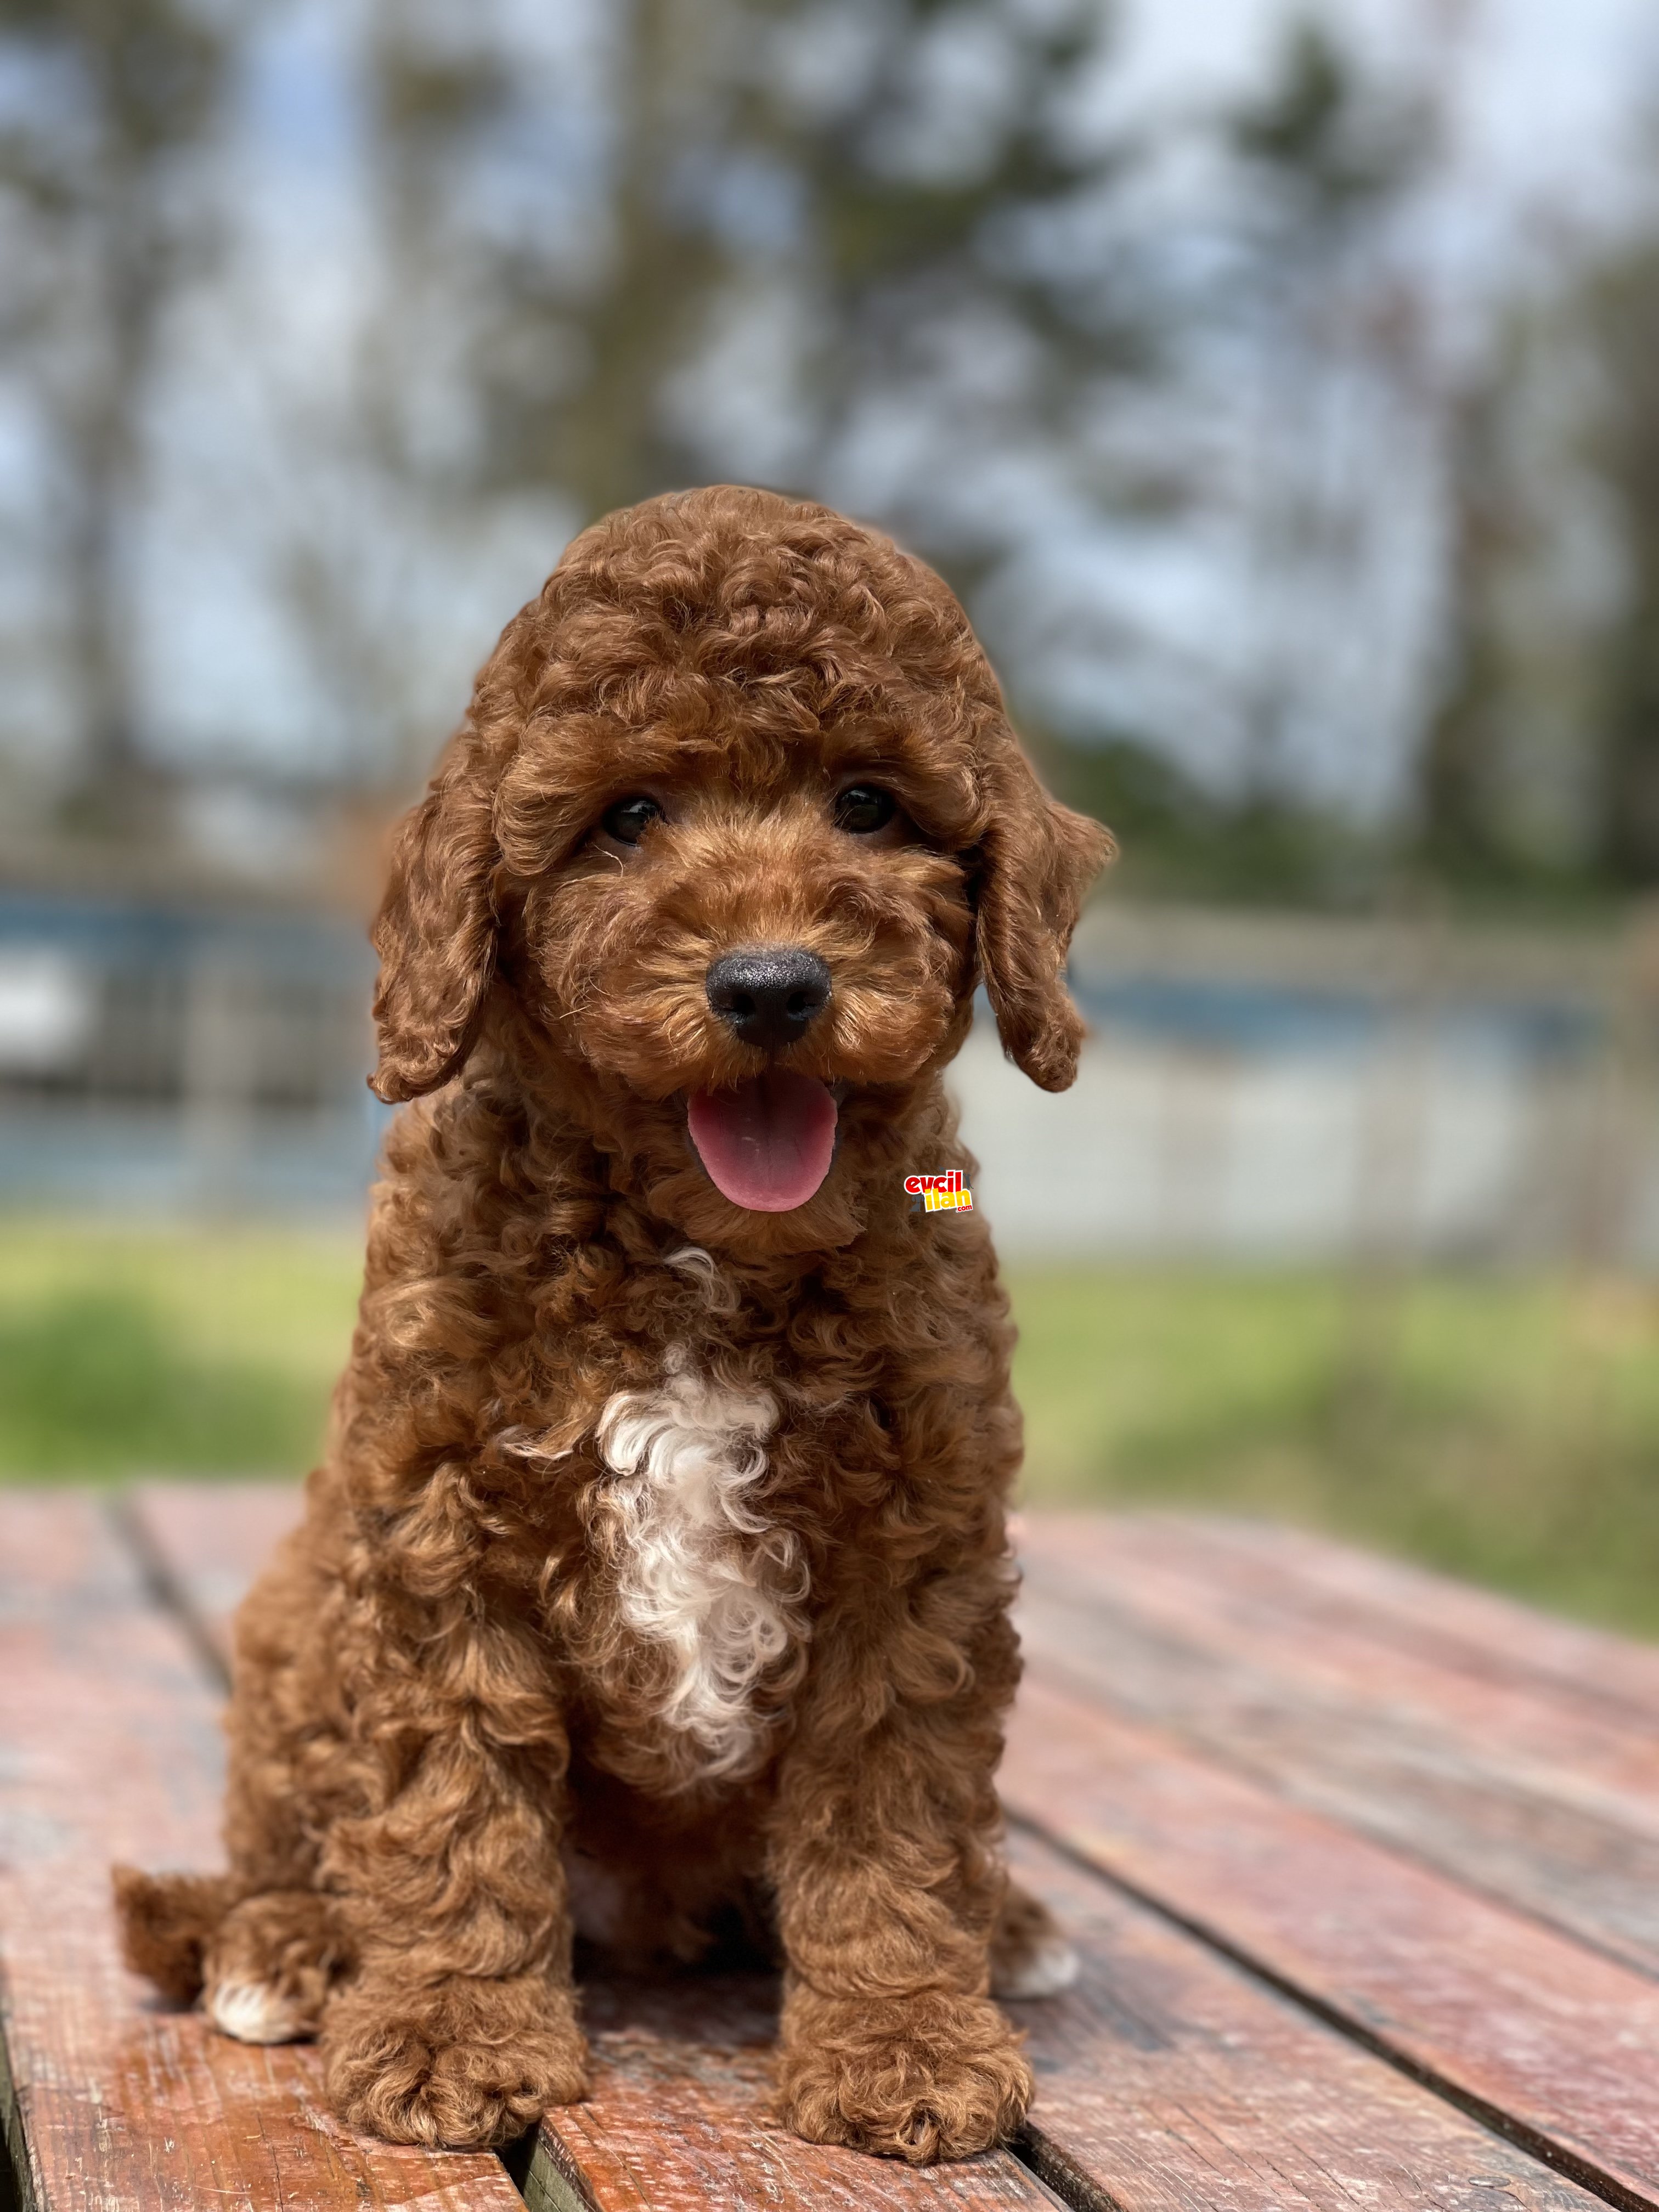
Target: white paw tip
<point>253,2012</point>
<point>1050,1966</point>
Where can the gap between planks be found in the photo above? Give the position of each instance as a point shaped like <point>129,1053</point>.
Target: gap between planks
<point>109,1742</point>
<point>17,2192</point>
<point>688,2133</point>
<point>1508,1780</point>
<point>1547,2042</point>
<point>1539,2145</point>
<point>212,1532</point>
<point>167,1590</point>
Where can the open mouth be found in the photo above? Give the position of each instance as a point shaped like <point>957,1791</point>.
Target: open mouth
<point>768,1143</point>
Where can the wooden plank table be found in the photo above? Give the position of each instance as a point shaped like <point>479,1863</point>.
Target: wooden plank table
<point>1357,1860</point>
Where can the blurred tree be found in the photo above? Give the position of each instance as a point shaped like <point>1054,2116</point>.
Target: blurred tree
<point>559,282</point>
<point>1623,322</point>
<point>886,252</point>
<point>1337,384</point>
<point>774,241</point>
<point>532,280</point>
<point>108,100</point>
<point>1335,150</point>
<point>969,291</point>
<point>1457,829</point>
<point>1180,840</point>
<point>1543,761</point>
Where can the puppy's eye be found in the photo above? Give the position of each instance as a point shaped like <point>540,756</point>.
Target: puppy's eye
<point>864,808</point>
<point>630,818</point>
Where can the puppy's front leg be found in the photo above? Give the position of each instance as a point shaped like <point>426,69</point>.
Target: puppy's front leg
<point>460,2026</point>
<point>890,1878</point>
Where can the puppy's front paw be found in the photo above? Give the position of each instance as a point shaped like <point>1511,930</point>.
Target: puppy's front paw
<point>920,2078</point>
<point>469,2064</point>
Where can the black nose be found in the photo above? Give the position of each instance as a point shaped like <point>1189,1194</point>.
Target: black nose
<point>770,997</point>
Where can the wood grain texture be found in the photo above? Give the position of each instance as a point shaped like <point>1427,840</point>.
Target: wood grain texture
<point>1539,1794</point>
<point>679,2118</point>
<point>1551,2041</point>
<point>1169,2081</point>
<point>1286,1598</point>
<point>1489,1636</point>
<point>109,1749</point>
<point>1169,2078</point>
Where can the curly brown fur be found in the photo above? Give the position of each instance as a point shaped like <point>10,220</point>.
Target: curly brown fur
<point>457,1721</point>
<point>166,1924</point>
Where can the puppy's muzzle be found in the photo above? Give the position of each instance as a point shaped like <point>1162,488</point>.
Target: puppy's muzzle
<point>770,997</point>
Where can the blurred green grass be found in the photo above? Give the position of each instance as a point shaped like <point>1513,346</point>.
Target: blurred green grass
<point>1506,1429</point>
<point>168,1349</point>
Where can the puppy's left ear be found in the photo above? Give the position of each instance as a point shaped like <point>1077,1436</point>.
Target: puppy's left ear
<point>437,930</point>
<point>1037,860</point>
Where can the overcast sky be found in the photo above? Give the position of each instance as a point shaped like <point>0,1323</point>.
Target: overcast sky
<point>1549,96</point>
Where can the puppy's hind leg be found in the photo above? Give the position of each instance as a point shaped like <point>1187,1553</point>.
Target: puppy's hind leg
<point>168,1922</point>
<point>1029,1955</point>
<point>271,1965</point>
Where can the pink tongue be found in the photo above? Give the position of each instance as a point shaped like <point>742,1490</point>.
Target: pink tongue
<point>768,1143</point>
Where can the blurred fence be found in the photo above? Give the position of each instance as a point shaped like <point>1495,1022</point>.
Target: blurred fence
<point>1312,1088</point>
<point>1283,1088</point>
<point>181,1056</point>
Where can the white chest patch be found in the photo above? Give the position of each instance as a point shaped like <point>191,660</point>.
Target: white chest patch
<point>701,1571</point>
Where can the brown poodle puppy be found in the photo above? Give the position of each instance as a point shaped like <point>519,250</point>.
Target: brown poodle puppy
<point>654,1590</point>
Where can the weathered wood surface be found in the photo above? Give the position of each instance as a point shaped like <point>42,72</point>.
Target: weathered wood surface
<point>109,1749</point>
<point>1255,1609</point>
<point>679,2118</point>
<point>1554,2043</point>
<point>1528,1786</point>
<point>1492,1637</point>
<point>1169,2080</point>
<point>1169,2077</point>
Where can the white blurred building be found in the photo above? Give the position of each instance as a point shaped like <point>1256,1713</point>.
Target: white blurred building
<point>1278,1090</point>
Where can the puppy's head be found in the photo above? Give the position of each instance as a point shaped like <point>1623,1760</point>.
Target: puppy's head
<point>734,823</point>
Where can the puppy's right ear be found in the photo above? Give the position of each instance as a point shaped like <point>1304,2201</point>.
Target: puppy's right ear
<point>436,929</point>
